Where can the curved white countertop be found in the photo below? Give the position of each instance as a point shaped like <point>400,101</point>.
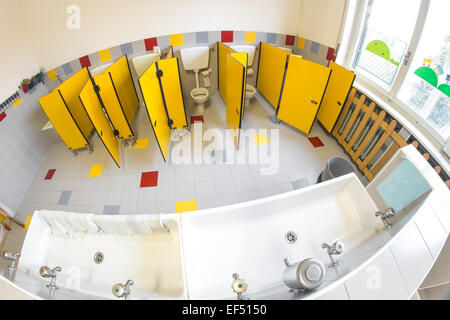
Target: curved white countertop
<point>394,271</point>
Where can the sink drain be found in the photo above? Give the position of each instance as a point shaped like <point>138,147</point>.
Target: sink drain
<point>290,237</point>
<point>98,257</point>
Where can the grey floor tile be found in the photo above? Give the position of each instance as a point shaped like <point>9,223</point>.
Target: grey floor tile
<point>110,210</point>
<point>65,197</point>
<point>298,184</point>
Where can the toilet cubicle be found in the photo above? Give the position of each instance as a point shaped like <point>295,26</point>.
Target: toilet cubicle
<point>232,80</point>
<point>302,91</point>
<point>161,89</point>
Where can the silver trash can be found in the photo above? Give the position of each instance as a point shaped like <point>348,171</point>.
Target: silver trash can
<point>336,167</point>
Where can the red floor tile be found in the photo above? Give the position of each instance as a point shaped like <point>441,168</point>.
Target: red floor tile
<point>316,142</point>
<point>197,119</point>
<point>149,179</point>
<point>50,174</point>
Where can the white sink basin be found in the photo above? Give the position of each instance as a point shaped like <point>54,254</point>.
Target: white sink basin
<point>249,238</point>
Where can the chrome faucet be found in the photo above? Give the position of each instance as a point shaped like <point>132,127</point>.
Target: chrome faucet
<point>8,256</point>
<point>239,286</point>
<point>46,272</point>
<point>385,215</point>
<point>122,290</point>
<point>335,249</point>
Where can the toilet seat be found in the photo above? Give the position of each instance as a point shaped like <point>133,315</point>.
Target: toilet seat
<point>250,91</point>
<point>200,94</point>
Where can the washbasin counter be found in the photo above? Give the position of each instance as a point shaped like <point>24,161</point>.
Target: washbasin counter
<point>198,256</point>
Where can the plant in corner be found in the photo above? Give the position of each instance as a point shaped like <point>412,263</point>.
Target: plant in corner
<point>25,85</point>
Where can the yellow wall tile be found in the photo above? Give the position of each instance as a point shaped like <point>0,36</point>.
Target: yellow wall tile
<point>17,102</point>
<point>301,43</point>
<point>250,36</point>
<point>52,75</point>
<point>176,40</point>
<point>104,55</point>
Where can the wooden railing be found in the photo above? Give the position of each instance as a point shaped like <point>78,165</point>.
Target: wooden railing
<point>361,131</point>
<point>370,136</point>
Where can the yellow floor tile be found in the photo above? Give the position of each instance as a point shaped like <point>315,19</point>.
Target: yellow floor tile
<point>17,102</point>
<point>141,144</point>
<point>96,170</point>
<point>260,139</point>
<point>27,222</point>
<point>183,206</point>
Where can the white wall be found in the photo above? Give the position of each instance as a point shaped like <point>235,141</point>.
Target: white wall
<point>107,23</point>
<point>320,20</point>
<point>16,59</point>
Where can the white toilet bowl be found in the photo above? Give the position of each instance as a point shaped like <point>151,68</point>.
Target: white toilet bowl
<point>200,96</point>
<point>250,92</point>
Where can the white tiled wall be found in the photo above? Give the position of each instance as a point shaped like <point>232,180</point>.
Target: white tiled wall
<point>23,146</point>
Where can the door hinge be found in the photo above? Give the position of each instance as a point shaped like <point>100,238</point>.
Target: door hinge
<point>96,88</point>
<point>406,59</point>
<point>159,73</point>
<point>170,122</point>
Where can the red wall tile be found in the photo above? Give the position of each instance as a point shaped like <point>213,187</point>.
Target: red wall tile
<point>85,62</point>
<point>227,36</point>
<point>290,40</point>
<point>330,54</point>
<point>150,43</point>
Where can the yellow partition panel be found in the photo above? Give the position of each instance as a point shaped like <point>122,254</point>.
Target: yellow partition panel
<point>124,85</point>
<point>173,93</point>
<point>88,98</point>
<point>63,122</point>
<point>222,53</point>
<point>302,94</point>
<point>236,80</point>
<point>112,105</point>
<point>271,67</point>
<point>70,89</point>
<point>156,110</point>
<point>341,81</point>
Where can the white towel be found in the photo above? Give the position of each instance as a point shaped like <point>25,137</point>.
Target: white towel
<point>111,224</point>
<point>139,224</point>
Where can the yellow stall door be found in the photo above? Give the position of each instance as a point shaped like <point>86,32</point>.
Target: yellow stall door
<point>271,67</point>
<point>302,94</point>
<point>156,110</point>
<point>173,94</point>
<point>124,86</point>
<point>113,106</point>
<point>222,54</point>
<point>70,89</point>
<point>90,102</point>
<point>341,81</point>
<point>236,80</point>
<point>62,120</point>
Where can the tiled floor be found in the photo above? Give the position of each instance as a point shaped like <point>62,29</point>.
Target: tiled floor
<point>92,183</point>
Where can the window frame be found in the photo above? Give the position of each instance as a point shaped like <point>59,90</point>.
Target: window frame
<point>358,25</point>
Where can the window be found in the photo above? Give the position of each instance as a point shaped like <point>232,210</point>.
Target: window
<point>403,53</point>
<point>426,87</point>
<point>386,36</point>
